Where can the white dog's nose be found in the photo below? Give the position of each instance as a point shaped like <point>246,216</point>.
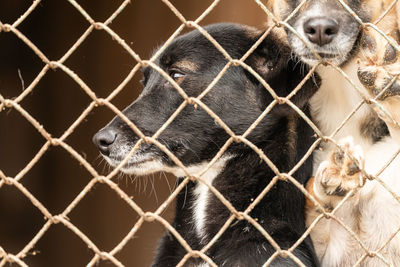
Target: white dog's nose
<point>320,30</point>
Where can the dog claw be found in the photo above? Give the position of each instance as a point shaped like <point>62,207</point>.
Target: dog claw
<point>376,79</point>
<point>390,55</point>
<point>342,172</point>
<point>367,77</point>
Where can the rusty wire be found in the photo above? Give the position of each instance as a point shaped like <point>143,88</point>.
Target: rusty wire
<point>145,216</point>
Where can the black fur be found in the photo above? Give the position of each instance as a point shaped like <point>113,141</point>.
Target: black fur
<point>194,137</point>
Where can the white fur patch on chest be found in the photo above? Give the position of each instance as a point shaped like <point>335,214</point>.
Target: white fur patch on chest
<point>199,205</point>
<point>199,208</point>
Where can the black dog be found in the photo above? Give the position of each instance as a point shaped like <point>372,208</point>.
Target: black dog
<point>195,138</point>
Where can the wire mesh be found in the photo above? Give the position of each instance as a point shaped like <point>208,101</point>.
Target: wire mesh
<point>147,216</point>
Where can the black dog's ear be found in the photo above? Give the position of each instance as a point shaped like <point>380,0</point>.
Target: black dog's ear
<point>273,62</point>
<point>270,57</point>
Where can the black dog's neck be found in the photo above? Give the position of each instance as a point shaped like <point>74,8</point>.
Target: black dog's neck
<point>243,178</point>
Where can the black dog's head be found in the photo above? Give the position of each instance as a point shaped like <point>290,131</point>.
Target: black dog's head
<point>326,26</point>
<point>237,98</point>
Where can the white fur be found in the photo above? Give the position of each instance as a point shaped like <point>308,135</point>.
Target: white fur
<point>335,100</point>
<point>202,191</point>
<point>373,214</point>
<point>300,47</point>
<point>151,165</point>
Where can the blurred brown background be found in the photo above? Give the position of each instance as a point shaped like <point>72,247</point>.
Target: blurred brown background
<point>57,101</point>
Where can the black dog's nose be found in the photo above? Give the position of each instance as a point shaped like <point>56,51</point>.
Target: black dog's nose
<point>104,139</point>
<point>321,31</point>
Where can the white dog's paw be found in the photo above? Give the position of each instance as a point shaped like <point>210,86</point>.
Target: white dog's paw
<point>342,172</point>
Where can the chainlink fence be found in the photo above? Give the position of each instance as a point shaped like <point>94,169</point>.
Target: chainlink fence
<point>145,216</point>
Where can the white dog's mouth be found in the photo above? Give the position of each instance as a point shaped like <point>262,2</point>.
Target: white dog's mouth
<point>312,60</point>
<point>322,55</point>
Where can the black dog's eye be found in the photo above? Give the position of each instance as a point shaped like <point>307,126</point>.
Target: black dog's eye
<point>177,76</point>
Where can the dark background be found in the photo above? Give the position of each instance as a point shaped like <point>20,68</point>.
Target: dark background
<point>57,101</point>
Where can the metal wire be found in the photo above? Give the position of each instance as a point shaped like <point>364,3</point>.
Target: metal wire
<point>145,216</point>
